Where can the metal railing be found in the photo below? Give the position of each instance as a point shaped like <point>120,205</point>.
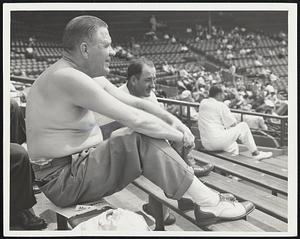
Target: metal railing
<point>283,119</point>
<point>181,104</point>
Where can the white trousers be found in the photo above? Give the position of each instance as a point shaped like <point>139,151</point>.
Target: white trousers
<point>226,140</point>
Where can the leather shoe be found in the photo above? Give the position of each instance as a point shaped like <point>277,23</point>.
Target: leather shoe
<point>29,221</point>
<point>202,171</point>
<point>171,219</point>
<point>187,204</point>
<point>222,212</point>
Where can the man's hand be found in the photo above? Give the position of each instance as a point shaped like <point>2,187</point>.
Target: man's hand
<point>188,138</point>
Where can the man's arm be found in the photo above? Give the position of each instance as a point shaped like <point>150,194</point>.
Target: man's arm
<point>80,90</point>
<point>144,105</point>
<point>227,117</point>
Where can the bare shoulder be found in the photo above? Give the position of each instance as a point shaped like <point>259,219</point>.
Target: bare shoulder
<point>68,73</point>
<point>102,81</point>
<point>68,78</point>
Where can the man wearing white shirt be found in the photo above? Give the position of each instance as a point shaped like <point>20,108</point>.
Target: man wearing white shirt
<point>219,129</point>
<point>141,78</point>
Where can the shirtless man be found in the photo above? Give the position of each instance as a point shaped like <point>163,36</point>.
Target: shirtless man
<point>72,162</point>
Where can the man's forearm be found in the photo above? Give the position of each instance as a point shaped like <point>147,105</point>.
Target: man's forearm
<point>153,126</point>
<point>157,111</point>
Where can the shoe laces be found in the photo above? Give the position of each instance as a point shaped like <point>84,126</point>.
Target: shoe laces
<point>224,198</point>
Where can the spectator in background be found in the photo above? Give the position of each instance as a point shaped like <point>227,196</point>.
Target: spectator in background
<point>17,123</point>
<point>168,68</point>
<point>22,197</point>
<point>219,129</point>
<point>187,96</point>
<point>253,121</point>
<point>153,23</point>
<point>173,40</point>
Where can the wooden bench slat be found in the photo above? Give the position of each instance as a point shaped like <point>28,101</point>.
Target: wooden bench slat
<point>156,192</point>
<point>275,160</point>
<point>250,163</point>
<point>267,222</point>
<point>283,158</point>
<point>265,180</point>
<point>265,202</point>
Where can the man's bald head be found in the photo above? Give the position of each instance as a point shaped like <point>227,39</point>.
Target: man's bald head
<point>79,29</point>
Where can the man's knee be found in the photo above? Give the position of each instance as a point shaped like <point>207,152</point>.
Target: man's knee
<point>18,151</point>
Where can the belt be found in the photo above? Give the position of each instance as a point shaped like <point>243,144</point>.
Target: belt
<point>53,163</point>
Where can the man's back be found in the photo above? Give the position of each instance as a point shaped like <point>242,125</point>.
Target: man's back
<point>213,117</point>
<point>56,127</point>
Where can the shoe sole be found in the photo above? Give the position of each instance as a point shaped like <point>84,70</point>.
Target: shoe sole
<point>215,220</point>
<point>205,174</point>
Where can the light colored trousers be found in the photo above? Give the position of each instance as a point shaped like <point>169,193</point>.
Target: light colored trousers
<point>112,165</point>
<point>226,139</point>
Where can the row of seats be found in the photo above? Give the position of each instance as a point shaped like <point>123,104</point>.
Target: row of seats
<point>212,44</point>
<point>247,62</point>
<point>159,48</point>
<point>281,70</point>
<point>23,42</point>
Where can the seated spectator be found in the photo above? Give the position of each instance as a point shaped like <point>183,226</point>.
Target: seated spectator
<point>253,121</point>
<point>17,123</point>
<point>153,23</point>
<point>184,49</point>
<point>141,78</point>
<point>258,62</point>
<point>270,109</point>
<point>199,83</point>
<point>173,39</point>
<point>21,176</point>
<point>229,55</point>
<point>219,129</point>
<point>168,68</point>
<point>242,52</point>
<point>187,96</point>
<point>22,197</point>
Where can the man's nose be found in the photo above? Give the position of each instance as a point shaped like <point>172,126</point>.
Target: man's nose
<point>153,84</point>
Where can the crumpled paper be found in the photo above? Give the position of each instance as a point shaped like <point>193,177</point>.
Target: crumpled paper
<point>114,220</point>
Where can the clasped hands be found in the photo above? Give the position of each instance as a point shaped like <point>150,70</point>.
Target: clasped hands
<point>188,138</point>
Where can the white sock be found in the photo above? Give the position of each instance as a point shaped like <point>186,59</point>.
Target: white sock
<point>201,194</point>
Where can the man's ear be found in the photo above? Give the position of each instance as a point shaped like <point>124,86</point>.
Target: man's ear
<point>84,50</point>
<point>133,79</point>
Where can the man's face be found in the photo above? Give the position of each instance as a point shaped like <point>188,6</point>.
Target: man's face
<point>100,53</point>
<point>144,84</point>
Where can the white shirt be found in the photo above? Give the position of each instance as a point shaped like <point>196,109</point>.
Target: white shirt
<point>214,116</point>
<point>151,98</point>
<point>103,120</point>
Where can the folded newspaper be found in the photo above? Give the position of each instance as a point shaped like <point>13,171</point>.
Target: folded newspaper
<point>114,220</point>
